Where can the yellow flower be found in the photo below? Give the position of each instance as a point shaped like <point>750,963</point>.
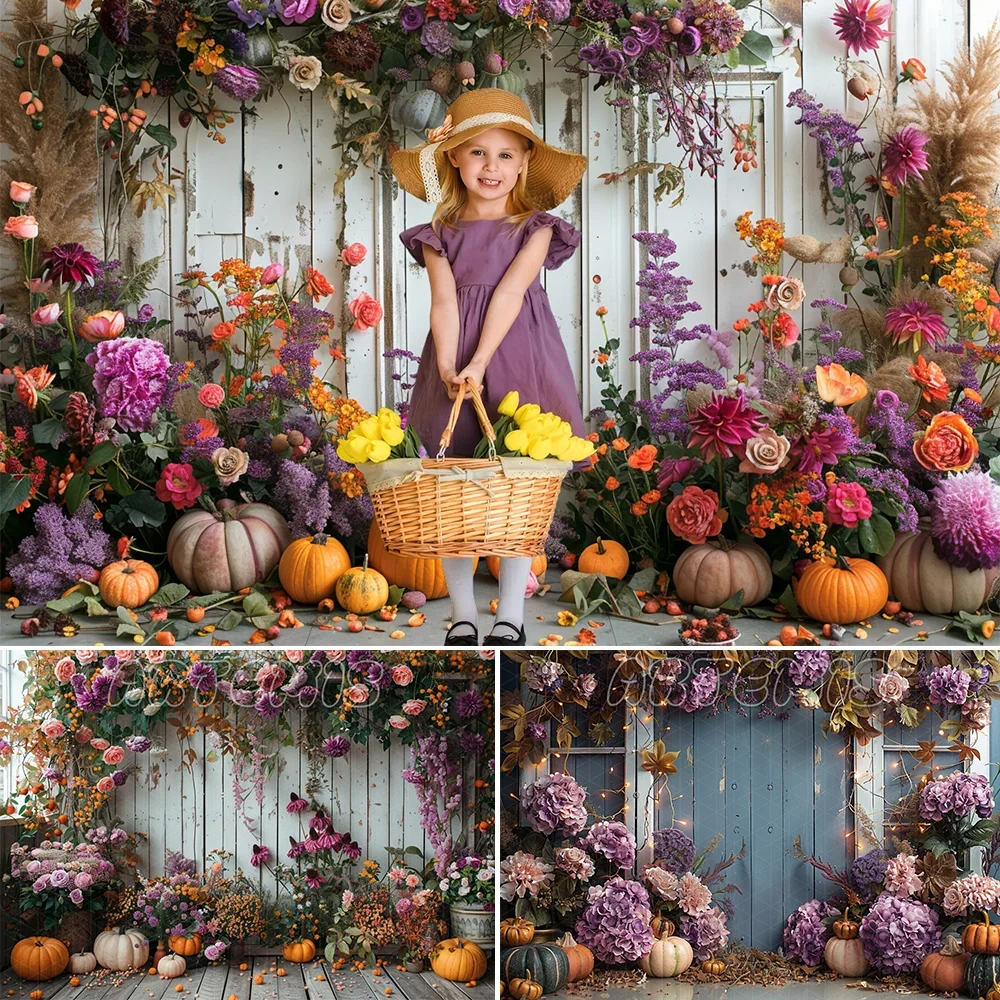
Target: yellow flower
<point>539,448</point>
<point>517,441</point>
<point>378,451</point>
<point>353,450</point>
<point>527,412</point>
<point>508,405</point>
<point>367,428</point>
<point>390,427</point>
<point>566,619</point>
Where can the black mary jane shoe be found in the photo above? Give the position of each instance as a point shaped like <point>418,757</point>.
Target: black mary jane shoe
<point>463,638</point>
<point>504,640</point>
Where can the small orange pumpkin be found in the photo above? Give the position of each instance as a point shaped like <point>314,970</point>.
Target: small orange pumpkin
<point>185,944</point>
<point>842,590</point>
<point>128,583</point>
<point>845,928</point>
<point>981,939</point>
<point>36,994</point>
<point>581,958</point>
<point>516,931</point>
<point>299,951</point>
<point>362,590</point>
<point>459,960</point>
<point>310,568</point>
<point>525,989</point>
<point>713,966</point>
<point>609,558</point>
<point>74,980</point>
<point>662,927</point>
<point>39,958</point>
<point>944,970</point>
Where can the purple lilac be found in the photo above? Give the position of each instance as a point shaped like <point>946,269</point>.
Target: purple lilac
<point>836,136</point>
<point>436,774</point>
<point>302,497</point>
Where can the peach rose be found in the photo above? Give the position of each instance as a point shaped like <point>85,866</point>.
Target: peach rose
<point>113,755</point>
<point>367,312</point>
<point>270,677</point>
<point>402,675</point>
<point>789,293</point>
<point>65,669</point>
<point>21,192</point>
<point>948,444</point>
<point>21,227</point>
<point>336,14</point>
<point>105,325</point>
<point>766,453</point>
<point>399,722</point>
<point>53,729</point>
<point>229,464</point>
<point>358,693</point>
<point>155,655</point>
<point>694,514</point>
<point>121,655</point>
<point>106,784</point>
<point>837,385</point>
<point>305,72</point>
<point>99,743</point>
<point>211,395</point>
<point>414,706</point>
<point>84,734</point>
<point>354,254</point>
<point>87,655</point>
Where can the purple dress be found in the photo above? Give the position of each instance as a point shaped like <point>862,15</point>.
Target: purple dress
<point>531,359</point>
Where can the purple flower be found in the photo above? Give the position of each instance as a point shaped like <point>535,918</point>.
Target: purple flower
<point>915,321</point>
<point>69,264</point>
<point>701,689</point>
<point>706,932</point>
<point>615,922</point>
<point>689,41</point>
<point>76,897</point>
<point>130,379</point>
<point>867,874</point>
<point>60,878</point>
<point>119,778</point>
<point>905,156</point>
<point>469,704</point>
<point>674,848</point>
<point>632,46</point>
<point>823,445</point>
<point>436,37</point>
<point>201,676</point>
<point>957,796</point>
<point>337,746</point>
<point>296,11</point>
<point>138,744</point>
<point>808,667</point>
<point>251,12</point>
<point>898,934</point>
<point>965,520</point>
<point>611,840</point>
<point>296,804</point>
<point>555,804</point>
<point>411,18</point>
<point>835,135</point>
<point>553,11</point>
<point>805,934</point>
<point>948,686</point>
<point>240,82</point>
<point>259,855</point>
<point>859,24</point>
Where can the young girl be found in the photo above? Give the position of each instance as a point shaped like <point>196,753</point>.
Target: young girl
<point>493,180</point>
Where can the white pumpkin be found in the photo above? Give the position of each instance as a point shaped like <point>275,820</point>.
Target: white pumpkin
<point>82,962</point>
<point>171,966</point>
<point>846,957</point>
<point>670,956</point>
<point>120,950</point>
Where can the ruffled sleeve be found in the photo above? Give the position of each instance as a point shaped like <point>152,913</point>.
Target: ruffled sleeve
<point>565,239</point>
<point>417,238</point>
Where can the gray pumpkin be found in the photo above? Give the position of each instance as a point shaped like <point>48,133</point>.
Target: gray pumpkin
<point>980,974</point>
<point>421,110</point>
<point>508,80</point>
<point>259,50</point>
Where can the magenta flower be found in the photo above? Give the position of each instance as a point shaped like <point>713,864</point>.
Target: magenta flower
<point>296,11</point>
<point>723,426</point>
<point>905,156</point>
<point>860,24</point>
<point>259,855</point>
<point>296,804</point>
<point>675,470</point>
<point>823,445</point>
<point>847,504</point>
<point>69,264</point>
<point>916,322</point>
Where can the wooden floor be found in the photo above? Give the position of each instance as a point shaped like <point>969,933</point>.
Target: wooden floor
<point>312,981</point>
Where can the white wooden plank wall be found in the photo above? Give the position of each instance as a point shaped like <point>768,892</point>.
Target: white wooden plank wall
<point>268,194</point>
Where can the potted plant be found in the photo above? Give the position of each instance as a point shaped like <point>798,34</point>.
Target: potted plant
<point>469,892</point>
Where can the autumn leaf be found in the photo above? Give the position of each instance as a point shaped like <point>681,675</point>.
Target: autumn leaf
<point>965,752</point>
<point>658,760</point>
<point>599,732</point>
<point>925,755</point>
<point>865,732</point>
<point>565,733</point>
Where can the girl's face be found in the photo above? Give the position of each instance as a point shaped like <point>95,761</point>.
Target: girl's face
<point>489,163</point>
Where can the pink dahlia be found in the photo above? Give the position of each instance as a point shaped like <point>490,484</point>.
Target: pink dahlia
<point>916,322</point>
<point>723,426</point>
<point>823,445</point>
<point>860,24</point>
<point>905,156</point>
<point>965,520</point>
<point>847,504</point>
<point>693,896</point>
<point>178,486</point>
<point>69,264</point>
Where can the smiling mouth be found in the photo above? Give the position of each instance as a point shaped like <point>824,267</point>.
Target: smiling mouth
<point>489,183</point>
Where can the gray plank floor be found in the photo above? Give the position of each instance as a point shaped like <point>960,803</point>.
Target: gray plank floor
<point>669,989</point>
<point>540,621</point>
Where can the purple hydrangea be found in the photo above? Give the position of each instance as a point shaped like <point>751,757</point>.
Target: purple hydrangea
<point>615,922</point>
<point>701,690</point>
<point>436,37</point>
<point>130,379</point>
<point>706,932</point>
<point>948,686</point>
<point>898,934</point>
<point>554,11</point>
<point>957,796</point>
<point>555,804</point>
<point>805,934</point>
<point>867,874</point>
<point>611,840</point>
<point>674,848</point>
<point>808,667</point>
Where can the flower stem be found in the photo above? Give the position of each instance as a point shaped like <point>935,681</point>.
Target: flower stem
<point>902,234</point>
<point>69,326</point>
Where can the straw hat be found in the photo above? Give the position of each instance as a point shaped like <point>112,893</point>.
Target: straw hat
<point>552,172</point>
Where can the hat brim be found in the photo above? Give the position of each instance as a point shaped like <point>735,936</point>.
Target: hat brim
<point>552,175</point>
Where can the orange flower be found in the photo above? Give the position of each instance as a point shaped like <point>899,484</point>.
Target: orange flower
<point>976,397</point>
<point>914,69</point>
<point>611,484</point>
<point>639,509</point>
<point>206,428</point>
<point>30,382</point>
<point>593,437</point>
<point>948,444</point>
<point>223,331</point>
<point>837,385</point>
<point>619,444</point>
<point>644,458</point>
<point>608,425</point>
<point>586,637</point>
<point>741,324</point>
<point>316,285</point>
<point>653,496</point>
<point>930,377</point>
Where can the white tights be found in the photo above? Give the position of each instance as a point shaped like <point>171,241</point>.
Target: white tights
<point>510,608</point>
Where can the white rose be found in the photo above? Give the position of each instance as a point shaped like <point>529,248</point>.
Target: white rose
<point>305,72</point>
<point>336,14</point>
<point>152,708</point>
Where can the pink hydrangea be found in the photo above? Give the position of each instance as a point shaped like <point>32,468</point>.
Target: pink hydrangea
<point>847,504</point>
<point>693,895</point>
<point>901,876</point>
<point>522,874</point>
<point>970,894</point>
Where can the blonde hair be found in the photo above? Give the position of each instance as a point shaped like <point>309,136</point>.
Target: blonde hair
<point>454,195</point>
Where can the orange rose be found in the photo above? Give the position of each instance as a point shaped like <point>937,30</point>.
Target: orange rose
<point>639,509</point>
<point>619,444</point>
<point>611,484</point>
<point>837,385</point>
<point>367,312</point>
<point>222,331</point>
<point>643,458</point>
<point>694,514</point>
<point>948,444</point>
<point>930,378</point>
<point>317,285</point>
<point>21,227</point>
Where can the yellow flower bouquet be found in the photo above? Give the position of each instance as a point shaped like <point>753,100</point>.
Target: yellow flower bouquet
<point>378,438</point>
<point>526,430</point>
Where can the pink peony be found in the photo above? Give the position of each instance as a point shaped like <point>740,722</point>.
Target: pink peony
<point>211,395</point>
<point>693,895</point>
<point>399,722</point>
<point>723,426</point>
<point>847,504</point>
<point>402,675</point>
<point>270,677</point>
<point>178,485</point>
<point>522,874</point>
<point>46,315</point>
<point>113,756</point>
<point>354,254</point>
<point>414,706</point>
<point>367,312</point>
<point>53,729</point>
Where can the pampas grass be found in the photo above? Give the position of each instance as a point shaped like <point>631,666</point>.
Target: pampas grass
<point>60,160</point>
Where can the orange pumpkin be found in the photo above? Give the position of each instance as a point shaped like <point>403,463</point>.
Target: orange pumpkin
<point>362,591</point>
<point>39,958</point>
<point>710,574</point>
<point>128,583</point>
<point>944,970</point>
<point>981,939</point>
<point>662,927</point>
<point>425,575</point>
<point>36,994</point>
<point>609,558</point>
<point>185,945</point>
<point>845,928</point>
<point>581,958</point>
<point>842,590</point>
<point>458,960</point>
<point>310,568</point>
<point>299,951</point>
<point>516,931</point>
<point>538,566</point>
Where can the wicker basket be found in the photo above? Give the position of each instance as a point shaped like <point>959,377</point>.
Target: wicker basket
<point>465,507</point>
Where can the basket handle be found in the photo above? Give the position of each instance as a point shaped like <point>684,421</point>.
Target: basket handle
<point>484,419</point>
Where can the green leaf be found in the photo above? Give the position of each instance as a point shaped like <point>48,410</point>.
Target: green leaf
<point>76,492</point>
<point>162,135</point>
<point>64,605</point>
<point>49,431</point>
<point>140,510</point>
<point>126,617</point>
<point>13,492</point>
<point>788,602</point>
<point>102,454</point>
<point>876,534</point>
<point>734,603</point>
<point>229,621</point>
<point>392,59</point>
<point>264,621</point>
<point>255,603</point>
<point>117,481</point>
<point>911,717</point>
<point>395,595</point>
<point>755,49</point>
<point>94,607</point>
<point>169,593</point>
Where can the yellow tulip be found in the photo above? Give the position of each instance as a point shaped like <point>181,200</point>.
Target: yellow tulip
<point>508,405</point>
<point>386,414</point>
<point>539,448</point>
<point>517,441</point>
<point>527,412</point>
<point>353,450</point>
<point>378,451</point>
<point>369,428</point>
<point>392,432</point>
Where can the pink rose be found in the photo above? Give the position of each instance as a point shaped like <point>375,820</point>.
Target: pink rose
<point>847,504</point>
<point>21,193</point>
<point>53,729</point>
<point>294,655</point>
<point>38,286</point>
<point>86,655</point>
<point>766,453</point>
<point>271,274</point>
<point>113,756</point>
<point>354,254</point>
<point>270,677</point>
<point>65,669</point>
<point>211,395</point>
<point>84,734</point>
<point>414,706</point>
<point>357,693</point>
<point>402,675</point>
<point>21,227</point>
<point>892,687</point>
<point>121,655</point>
<point>99,743</point>
<point>46,315</point>
<point>106,784</point>
<point>532,585</point>
<point>675,470</point>
<point>789,293</point>
<point>399,722</point>
<point>83,880</point>
<point>156,655</point>
<point>694,515</point>
<point>367,312</point>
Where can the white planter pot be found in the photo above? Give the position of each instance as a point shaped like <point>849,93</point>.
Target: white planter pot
<point>474,924</point>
